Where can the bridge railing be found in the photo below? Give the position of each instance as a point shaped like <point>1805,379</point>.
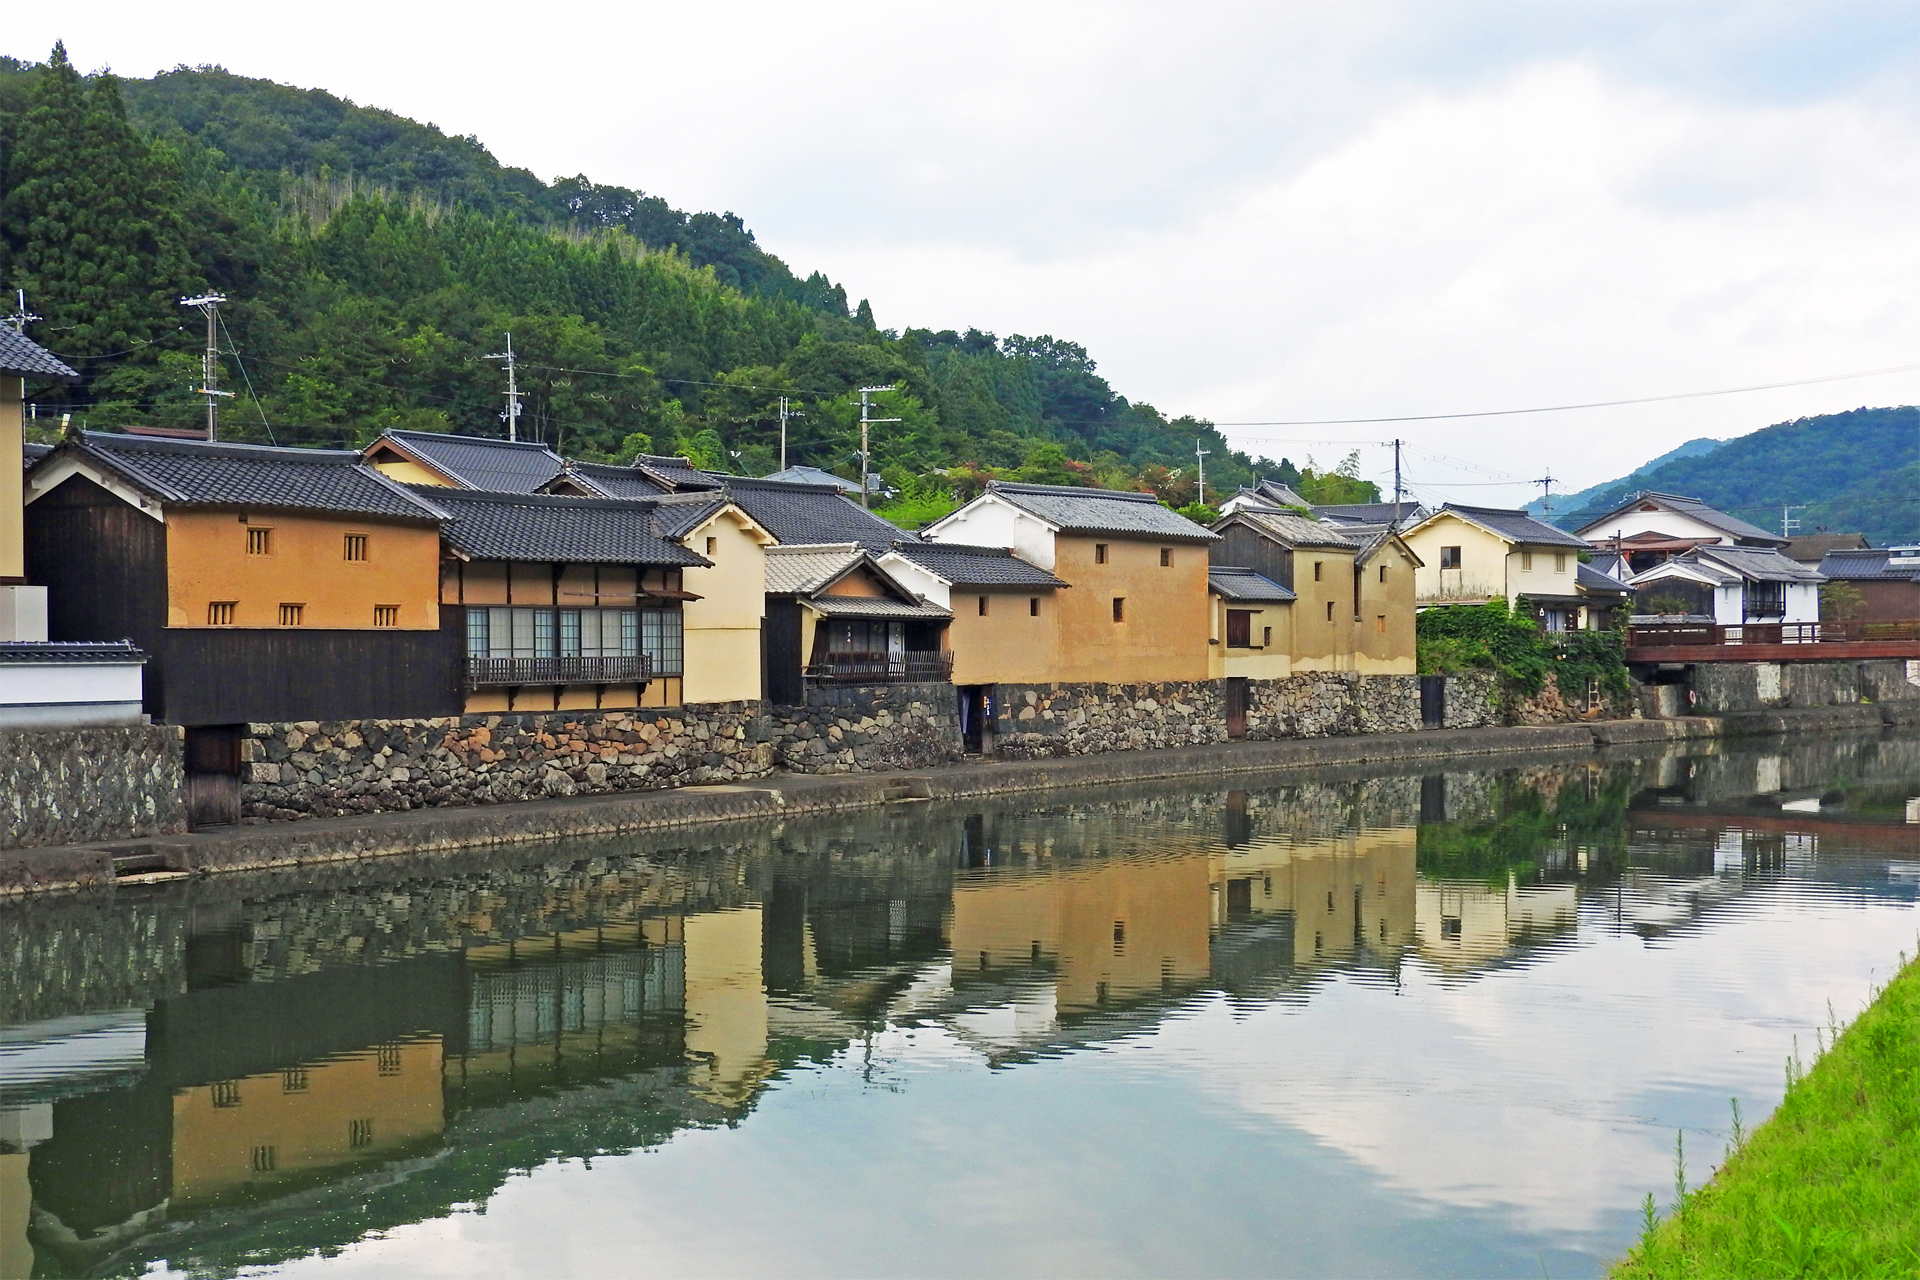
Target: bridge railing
<point>1691,635</point>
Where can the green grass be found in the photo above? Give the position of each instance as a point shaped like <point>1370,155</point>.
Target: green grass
<point>1830,1185</point>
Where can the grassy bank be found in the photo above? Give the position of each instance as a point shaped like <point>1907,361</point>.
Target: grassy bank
<point>1830,1185</point>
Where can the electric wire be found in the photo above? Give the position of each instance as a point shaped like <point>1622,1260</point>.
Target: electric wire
<point>233,348</point>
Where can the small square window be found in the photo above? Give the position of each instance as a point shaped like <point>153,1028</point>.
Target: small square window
<point>1449,557</point>
<point>1329,606</point>
<point>1316,571</point>
<point>713,546</point>
<point>1380,624</point>
<point>259,541</point>
<point>1559,562</point>
<point>1033,606</point>
<point>220,613</point>
<point>1526,562</point>
<point>983,606</point>
<point>1099,553</point>
<point>291,614</point>
<point>1166,557</point>
<point>1383,573</point>
<point>1119,609</point>
<point>356,546</point>
<point>386,615</point>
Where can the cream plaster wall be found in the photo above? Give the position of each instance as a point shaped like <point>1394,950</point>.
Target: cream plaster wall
<point>1388,651</point>
<point>1482,574</point>
<point>1167,613</point>
<point>1322,610</point>
<point>407,471</point>
<point>723,626</point>
<point>13,498</point>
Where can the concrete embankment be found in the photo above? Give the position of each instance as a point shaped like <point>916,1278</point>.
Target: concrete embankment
<point>781,795</point>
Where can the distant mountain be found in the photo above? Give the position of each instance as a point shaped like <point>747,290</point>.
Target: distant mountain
<point>1586,497</point>
<point>1852,472</point>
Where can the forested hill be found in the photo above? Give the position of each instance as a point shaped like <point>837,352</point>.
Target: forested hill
<point>372,263</point>
<point>1856,472</point>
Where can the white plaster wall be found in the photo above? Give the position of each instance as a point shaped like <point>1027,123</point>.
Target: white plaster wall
<point>80,693</point>
<point>1729,605</point>
<point>917,580</point>
<point>1666,522</point>
<point>1803,602</point>
<point>988,521</point>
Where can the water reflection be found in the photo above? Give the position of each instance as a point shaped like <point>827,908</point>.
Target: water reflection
<point>247,1071</point>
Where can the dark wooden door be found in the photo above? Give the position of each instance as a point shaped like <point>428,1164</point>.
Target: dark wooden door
<point>1433,702</point>
<point>1236,694</point>
<point>213,775</point>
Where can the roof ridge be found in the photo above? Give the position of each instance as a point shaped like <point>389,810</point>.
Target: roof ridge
<point>500,498</point>
<point>1069,490</point>
<point>167,444</point>
<point>410,433</point>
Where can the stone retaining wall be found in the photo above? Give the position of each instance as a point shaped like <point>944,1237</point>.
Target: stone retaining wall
<point>66,786</point>
<point>1720,688</point>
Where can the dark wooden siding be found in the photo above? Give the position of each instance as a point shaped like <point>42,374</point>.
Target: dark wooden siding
<point>1243,547</point>
<point>780,645</point>
<point>216,676</point>
<point>104,564</point>
<point>1887,601</point>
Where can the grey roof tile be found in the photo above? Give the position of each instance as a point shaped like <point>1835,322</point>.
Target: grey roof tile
<point>965,566</point>
<point>1371,512</point>
<point>23,357</point>
<point>609,481</point>
<point>1759,564</point>
<point>810,514</point>
<point>478,462</point>
<point>815,475</point>
<point>799,570</point>
<point>1516,526</point>
<point>1108,511</point>
<point>873,607</point>
<point>1234,583</point>
<point>1294,530</point>
<point>1587,578</point>
<point>195,473</point>
<point>676,515</point>
<point>35,451</point>
<point>677,473</point>
<point>557,530</point>
<point>1693,509</point>
<point>1879,565</point>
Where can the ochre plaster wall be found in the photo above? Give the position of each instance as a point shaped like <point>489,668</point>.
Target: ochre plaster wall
<point>406,471</point>
<point>723,625</point>
<point>1261,661</point>
<point>1357,888</point>
<point>207,560</point>
<point>1323,641</point>
<point>1388,652</point>
<point>13,535</point>
<point>1164,635</point>
<point>1009,645</point>
<point>726,1005</point>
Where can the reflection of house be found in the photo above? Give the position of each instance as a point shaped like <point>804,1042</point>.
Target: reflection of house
<point>1138,609</point>
<point>834,615</point>
<point>1471,555</point>
<point>1345,895</point>
<point>1732,585</point>
<point>1463,924</point>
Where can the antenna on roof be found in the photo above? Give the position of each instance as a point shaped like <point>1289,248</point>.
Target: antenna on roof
<point>511,414</point>
<point>208,304</point>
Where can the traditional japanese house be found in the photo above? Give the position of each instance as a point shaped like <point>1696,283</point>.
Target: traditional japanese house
<point>266,584</point>
<point>1252,625</point>
<point>1884,585</point>
<point>463,462</point>
<point>563,603</point>
<point>835,616</point>
<point>1004,609</point>
<point>1139,607</point>
<point>1470,555</point>
<point>1731,585</point>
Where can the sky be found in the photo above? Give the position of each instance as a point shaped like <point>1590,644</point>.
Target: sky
<point>1254,213</point>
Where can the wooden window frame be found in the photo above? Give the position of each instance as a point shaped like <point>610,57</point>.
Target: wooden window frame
<point>1166,557</point>
<point>1099,553</point>
<point>295,618</point>
<point>1239,628</point>
<point>1449,558</point>
<point>1526,561</point>
<point>1316,570</point>
<point>220,612</point>
<point>983,606</point>
<point>1033,606</point>
<point>1119,608</point>
<point>259,540</point>
<point>386,615</point>
<point>351,543</point>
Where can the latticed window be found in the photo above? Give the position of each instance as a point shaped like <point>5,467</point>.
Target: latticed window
<point>386,615</point>
<point>226,1093</point>
<point>360,1133</point>
<point>574,633</point>
<point>291,615</point>
<point>265,1159</point>
<point>663,640</point>
<point>259,541</point>
<point>220,613</point>
<point>356,546</point>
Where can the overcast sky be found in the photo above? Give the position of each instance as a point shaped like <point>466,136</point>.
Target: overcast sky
<point>1250,212</point>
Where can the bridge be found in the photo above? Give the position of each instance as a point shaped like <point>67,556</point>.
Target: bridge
<point>1772,642</point>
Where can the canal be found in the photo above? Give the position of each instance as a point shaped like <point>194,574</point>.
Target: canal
<point>1439,1022</point>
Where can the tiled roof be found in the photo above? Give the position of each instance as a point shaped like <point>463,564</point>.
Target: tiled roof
<point>36,451</point>
<point>16,652</point>
<point>797,570</point>
<point>1870,566</point>
<point>814,475</point>
<point>1515,526</point>
<point>1685,566</point>
<point>1757,564</point>
<point>1294,530</point>
<point>553,529</point>
<point>23,357</point>
<point>872,607</point>
<point>1613,566</point>
<point>1234,583</point>
<point>676,515</point>
<point>677,473</point>
<point>195,473</point>
<point>1371,512</point>
<point>811,514</point>
<point>477,462</point>
<point>1072,510</point>
<point>1589,579</point>
<point>609,481</point>
<point>1809,549</point>
<point>1693,509</point>
<point>964,566</point>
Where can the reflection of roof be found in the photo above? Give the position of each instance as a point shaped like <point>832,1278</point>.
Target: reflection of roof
<point>1515,525</point>
<point>1371,512</point>
<point>609,481</point>
<point>814,475</point>
<point>1292,530</point>
<point>1693,509</point>
<point>21,356</point>
<point>195,473</point>
<point>1870,566</point>
<point>477,462</point>
<point>1809,549</point>
<point>1072,510</point>
<point>872,607</point>
<point>544,527</point>
<point>959,565</point>
<point>1230,582</point>
<point>813,514</point>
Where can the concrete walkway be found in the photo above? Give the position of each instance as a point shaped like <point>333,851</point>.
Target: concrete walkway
<point>321,840</point>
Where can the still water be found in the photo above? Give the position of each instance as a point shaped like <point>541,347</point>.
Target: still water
<point>1392,1024</point>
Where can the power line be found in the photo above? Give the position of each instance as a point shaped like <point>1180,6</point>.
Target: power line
<point>258,408</point>
<point>1562,408</point>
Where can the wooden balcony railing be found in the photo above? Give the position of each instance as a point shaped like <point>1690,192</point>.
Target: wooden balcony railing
<point>911,667</point>
<point>1670,635</point>
<point>484,673</point>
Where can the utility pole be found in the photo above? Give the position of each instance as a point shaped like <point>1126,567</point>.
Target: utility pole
<point>21,317</point>
<point>208,304</point>
<point>1200,455</point>
<point>786,412</point>
<point>1398,488</point>
<point>1790,523</point>
<point>1546,494</point>
<point>512,411</point>
<point>865,442</point>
